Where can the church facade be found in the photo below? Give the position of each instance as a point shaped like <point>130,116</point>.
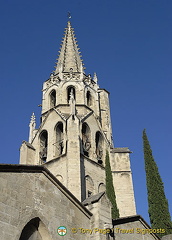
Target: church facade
<point>60,180</point>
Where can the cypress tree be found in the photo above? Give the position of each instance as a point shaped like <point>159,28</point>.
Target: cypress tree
<point>110,188</point>
<point>158,205</point>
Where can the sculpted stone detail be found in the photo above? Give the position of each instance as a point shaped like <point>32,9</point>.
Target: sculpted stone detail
<point>54,79</point>
<point>99,147</point>
<point>72,102</point>
<point>99,152</point>
<point>86,143</point>
<point>59,147</point>
<point>71,76</point>
<point>43,154</point>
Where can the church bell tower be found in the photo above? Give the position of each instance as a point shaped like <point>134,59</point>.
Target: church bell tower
<point>75,132</point>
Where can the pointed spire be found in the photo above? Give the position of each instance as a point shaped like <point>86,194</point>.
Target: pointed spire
<point>69,57</point>
<point>32,126</point>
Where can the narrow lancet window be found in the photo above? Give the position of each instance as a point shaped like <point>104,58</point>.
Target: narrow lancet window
<point>70,91</point>
<point>59,139</point>
<point>88,97</point>
<point>99,146</point>
<point>52,99</point>
<point>86,143</point>
<point>89,186</point>
<point>43,146</point>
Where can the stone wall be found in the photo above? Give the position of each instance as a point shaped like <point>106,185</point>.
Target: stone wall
<point>133,228</point>
<point>28,192</point>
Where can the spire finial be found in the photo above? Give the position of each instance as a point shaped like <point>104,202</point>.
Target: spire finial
<point>69,15</point>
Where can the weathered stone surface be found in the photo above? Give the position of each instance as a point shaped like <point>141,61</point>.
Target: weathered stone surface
<point>26,195</point>
<point>133,228</point>
<point>167,237</point>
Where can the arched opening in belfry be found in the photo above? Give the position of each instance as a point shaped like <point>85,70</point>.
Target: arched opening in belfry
<point>59,144</point>
<point>70,93</point>
<point>52,99</point>
<point>35,229</point>
<point>43,146</point>
<point>101,188</point>
<point>89,99</point>
<point>86,141</point>
<point>89,186</point>
<point>99,147</point>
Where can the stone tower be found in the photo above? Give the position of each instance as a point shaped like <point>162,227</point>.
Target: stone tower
<point>75,132</point>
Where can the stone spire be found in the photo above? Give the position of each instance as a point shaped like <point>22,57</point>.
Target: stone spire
<point>69,58</point>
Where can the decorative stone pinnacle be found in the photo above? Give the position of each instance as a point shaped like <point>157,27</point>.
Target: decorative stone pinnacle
<point>32,126</point>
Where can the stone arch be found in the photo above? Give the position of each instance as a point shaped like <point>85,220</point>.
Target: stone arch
<point>101,187</point>
<point>52,98</point>
<point>59,138</point>
<point>89,186</point>
<point>99,146</point>
<point>43,146</point>
<point>35,229</point>
<point>86,139</point>
<point>70,90</point>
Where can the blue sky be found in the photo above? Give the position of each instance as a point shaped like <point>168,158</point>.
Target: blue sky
<point>128,43</point>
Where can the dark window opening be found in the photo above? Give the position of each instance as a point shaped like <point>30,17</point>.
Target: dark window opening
<point>70,90</point>
<point>53,99</point>
<point>86,139</point>
<point>99,149</point>
<point>43,146</point>
<point>30,230</point>
<point>59,138</point>
<point>88,97</point>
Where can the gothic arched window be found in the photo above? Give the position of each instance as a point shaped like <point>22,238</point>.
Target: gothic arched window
<point>99,146</point>
<point>52,99</point>
<point>89,98</point>
<point>86,143</point>
<point>70,90</point>
<point>35,229</point>
<point>89,186</point>
<point>43,146</point>
<point>59,138</point>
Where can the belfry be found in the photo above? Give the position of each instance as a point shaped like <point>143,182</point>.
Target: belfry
<point>75,132</point>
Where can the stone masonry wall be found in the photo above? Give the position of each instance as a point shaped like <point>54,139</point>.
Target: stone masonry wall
<point>26,195</point>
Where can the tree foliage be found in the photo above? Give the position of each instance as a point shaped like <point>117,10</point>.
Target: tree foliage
<point>110,188</point>
<point>157,202</point>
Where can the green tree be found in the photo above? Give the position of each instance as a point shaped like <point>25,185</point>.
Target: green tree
<point>158,205</point>
<point>110,188</point>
